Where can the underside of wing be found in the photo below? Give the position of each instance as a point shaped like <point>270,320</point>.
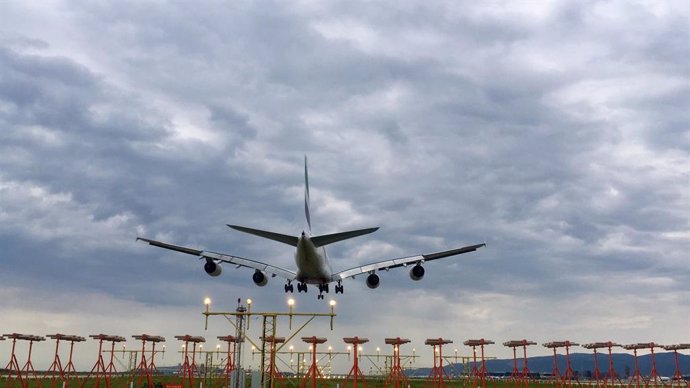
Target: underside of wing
<point>402,262</point>
<point>213,259</point>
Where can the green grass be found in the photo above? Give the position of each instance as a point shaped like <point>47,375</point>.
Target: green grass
<point>162,381</point>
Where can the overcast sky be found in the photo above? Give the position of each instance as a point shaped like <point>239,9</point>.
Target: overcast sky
<point>556,132</point>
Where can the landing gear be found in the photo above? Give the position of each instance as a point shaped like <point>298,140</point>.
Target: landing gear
<point>301,287</point>
<point>289,287</point>
<point>322,288</point>
<point>339,289</point>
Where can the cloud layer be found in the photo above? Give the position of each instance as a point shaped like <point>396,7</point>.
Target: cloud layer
<point>555,132</point>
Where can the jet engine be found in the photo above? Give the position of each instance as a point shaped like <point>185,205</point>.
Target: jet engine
<point>417,272</point>
<point>259,278</point>
<point>212,268</point>
<point>373,281</point>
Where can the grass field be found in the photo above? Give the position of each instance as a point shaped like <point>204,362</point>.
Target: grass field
<point>371,382</point>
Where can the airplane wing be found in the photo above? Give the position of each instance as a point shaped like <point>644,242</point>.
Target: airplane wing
<point>221,257</point>
<point>402,262</point>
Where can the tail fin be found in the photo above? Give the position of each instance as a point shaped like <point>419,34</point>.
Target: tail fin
<point>306,194</point>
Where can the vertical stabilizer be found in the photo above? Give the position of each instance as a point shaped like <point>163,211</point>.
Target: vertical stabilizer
<point>306,194</point>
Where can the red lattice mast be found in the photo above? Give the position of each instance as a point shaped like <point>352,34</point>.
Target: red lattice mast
<point>26,372</point>
<point>56,370</point>
<point>569,375</point>
<point>482,371</point>
<point>314,373</point>
<point>438,375</point>
<point>355,373</point>
<point>100,370</point>
<point>189,369</point>
<point>396,377</point>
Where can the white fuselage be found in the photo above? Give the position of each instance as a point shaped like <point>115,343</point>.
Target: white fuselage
<point>312,262</point>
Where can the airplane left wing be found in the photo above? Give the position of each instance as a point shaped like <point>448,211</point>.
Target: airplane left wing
<point>402,262</point>
<point>224,258</point>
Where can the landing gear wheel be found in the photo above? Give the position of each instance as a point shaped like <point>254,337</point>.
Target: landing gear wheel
<point>339,289</point>
<point>320,296</point>
<point>301,287</point>
<point>289,288</point>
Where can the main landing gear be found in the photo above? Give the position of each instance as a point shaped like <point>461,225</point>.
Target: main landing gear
<point>301,287</point>
<point>322,288</point>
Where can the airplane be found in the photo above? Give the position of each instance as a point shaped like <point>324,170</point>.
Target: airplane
<point>310,257</point>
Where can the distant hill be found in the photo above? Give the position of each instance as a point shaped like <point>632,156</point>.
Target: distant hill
<point>583,364</point>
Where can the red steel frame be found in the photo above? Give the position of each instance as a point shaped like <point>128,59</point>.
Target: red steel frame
<point>653,374</point>
<point>188,370</point>
<point>396,377</point>
<point>567,379</point>
<point>482,371</point>
<point>146,369</point>
<point>28,368</point>
<point>355,373</point>
<point>438,376</point>
<point>677,375</point>
<point>272,368</point>
<point>56,370</point>
<point>518,376</point>
<point>597,373</point>
<point>101,370</point>
<point>314,372</point>
<point>230,362</point>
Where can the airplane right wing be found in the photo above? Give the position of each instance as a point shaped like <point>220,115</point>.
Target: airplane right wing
<point>402,262</point>
<point>224,258</point>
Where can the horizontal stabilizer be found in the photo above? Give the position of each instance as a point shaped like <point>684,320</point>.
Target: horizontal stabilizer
<point>285,239</point>
<point>326,239</point>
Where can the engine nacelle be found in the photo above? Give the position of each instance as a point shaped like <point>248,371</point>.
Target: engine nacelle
<point>417,272</point>
<point>373,281</point>
<point>259,278</point>
<point>212,268</point>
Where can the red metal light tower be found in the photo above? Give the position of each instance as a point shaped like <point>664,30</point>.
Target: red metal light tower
<point>230,363</point>
<point>677,375</point>
<point>100,370</point>
<point>517,375</point>
<point>24,373</point>
<point>355,373</point>
<point>314,371</point>
<point>482,370</point>
<point>396,377</point>
<point>272,369</point>
<point>653,375</point>
<point>145,369</point>
<point>438,376</point>
<point>56,370</point>
<point>189,369</point>
<point>597,374</point>
<point>569,376</point>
